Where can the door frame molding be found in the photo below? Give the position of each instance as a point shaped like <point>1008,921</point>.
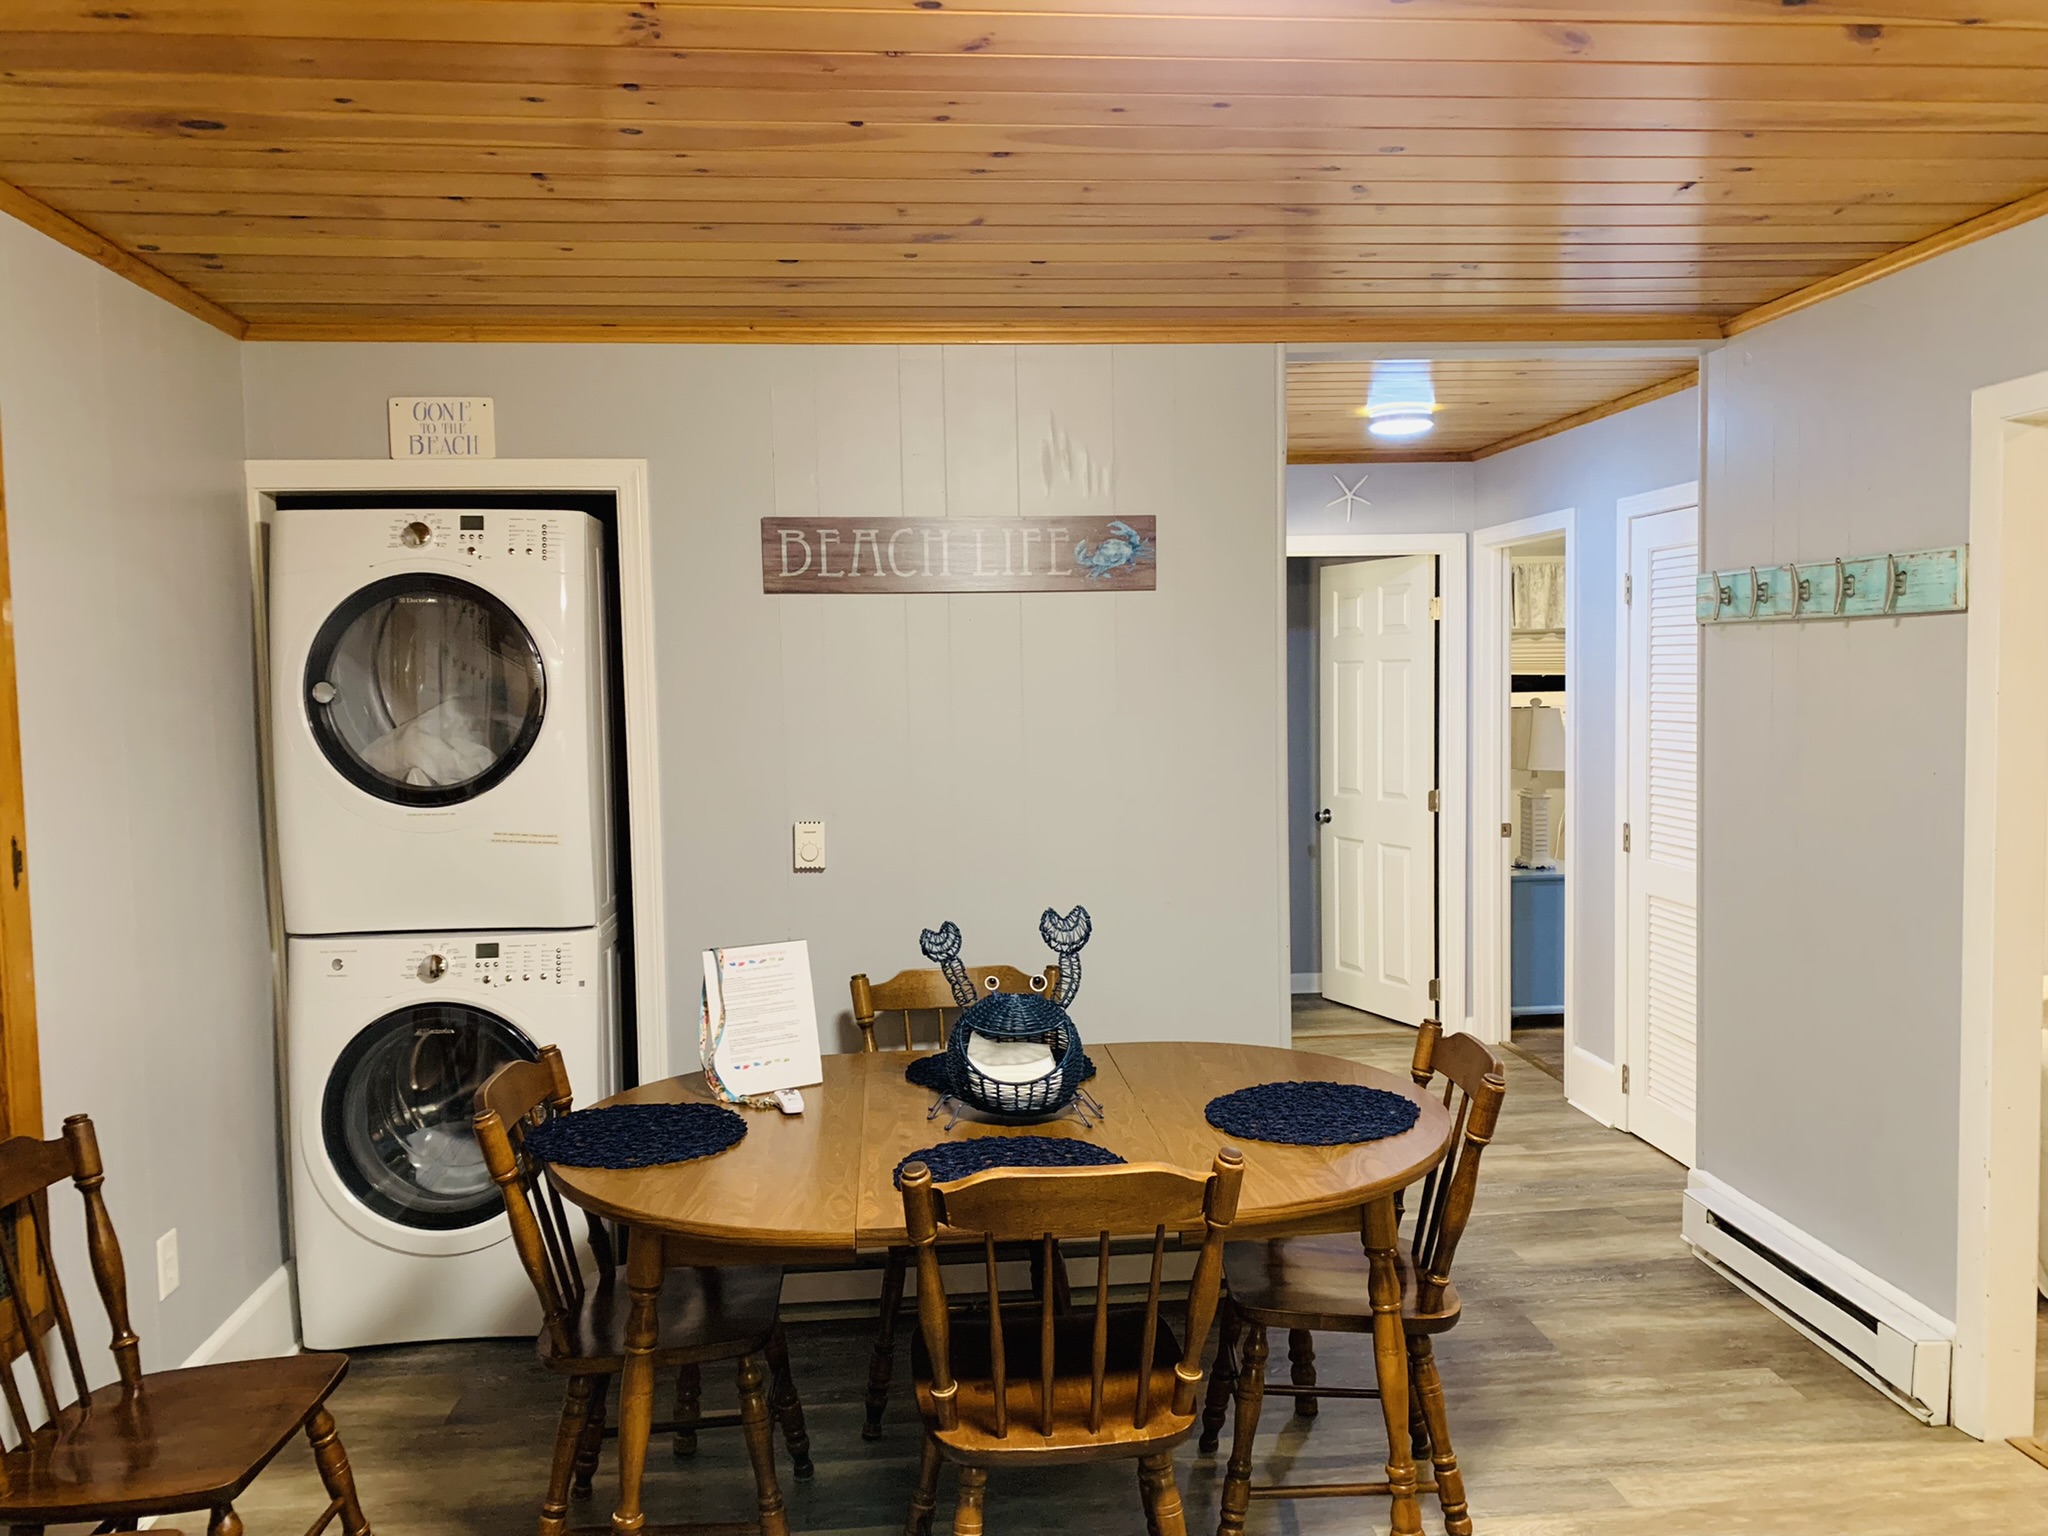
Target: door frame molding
<point>2005,810</point>
<point>1670,498</point>
<point>1492,587</point>
<point>626,481</point>
<point>1453,913</point>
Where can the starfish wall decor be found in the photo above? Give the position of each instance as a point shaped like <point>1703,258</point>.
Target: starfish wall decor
<point>1349,497</point>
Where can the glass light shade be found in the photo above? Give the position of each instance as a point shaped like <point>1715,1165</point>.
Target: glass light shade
<point>1400,425</point>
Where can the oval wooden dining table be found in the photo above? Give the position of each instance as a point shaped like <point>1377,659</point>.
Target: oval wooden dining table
<point>820,1186</point>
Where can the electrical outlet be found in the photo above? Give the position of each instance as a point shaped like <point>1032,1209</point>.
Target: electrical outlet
<point>166,1264</point>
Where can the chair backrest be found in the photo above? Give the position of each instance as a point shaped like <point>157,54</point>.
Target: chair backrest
<point>911,993</point>
<point>27,1170</point>
<point>1012,1204</point>
<point>513,1100</point>
<point>1474,1084</point>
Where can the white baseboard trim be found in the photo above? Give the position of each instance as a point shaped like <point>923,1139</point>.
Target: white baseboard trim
<point>263,1327</point>
<point>1592,1086</point>
<point>1307,982</point>
<point>1896,1343</point>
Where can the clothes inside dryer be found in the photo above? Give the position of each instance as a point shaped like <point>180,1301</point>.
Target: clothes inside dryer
<point>397,1113</point>
<point>424,689</point>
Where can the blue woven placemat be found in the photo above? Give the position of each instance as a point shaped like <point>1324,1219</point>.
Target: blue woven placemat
<point>1314,1114</point>
<point>951,1160</point>
<point>636,1135</point>
<point>930,1072</point>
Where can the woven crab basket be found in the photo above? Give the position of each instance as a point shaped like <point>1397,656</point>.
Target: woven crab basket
<point>1014,1019</point>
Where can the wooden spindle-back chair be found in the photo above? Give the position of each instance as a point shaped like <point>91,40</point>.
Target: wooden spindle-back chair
<point>1307,1284</point>
<point>705,1315</point>
<point>912,995</point>
<point>148,1443</point>
<point>1036,1385</point>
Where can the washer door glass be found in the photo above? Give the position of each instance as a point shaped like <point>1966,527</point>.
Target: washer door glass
<point>424,690</point>
<point>397,1112</point>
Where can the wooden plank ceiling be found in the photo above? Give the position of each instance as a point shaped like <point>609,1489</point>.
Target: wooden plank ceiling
<point>1286,169</point>
<point>1483,406</point>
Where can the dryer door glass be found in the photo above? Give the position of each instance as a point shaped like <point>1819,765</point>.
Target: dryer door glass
<point>396,1116</point>
<point>424,690</point>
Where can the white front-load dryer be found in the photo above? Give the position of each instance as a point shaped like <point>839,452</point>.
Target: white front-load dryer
<point>438,719</point>
<point>399,1233</point>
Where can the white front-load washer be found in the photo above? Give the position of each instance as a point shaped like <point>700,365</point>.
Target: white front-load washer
<point>438,719</point>
<point>399,1233</point>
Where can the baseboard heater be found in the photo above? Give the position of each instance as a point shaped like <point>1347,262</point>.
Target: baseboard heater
<point>1904,1354</point>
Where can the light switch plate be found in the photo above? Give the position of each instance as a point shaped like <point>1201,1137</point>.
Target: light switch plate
<point>166,1264</point>
<point>807,847</point>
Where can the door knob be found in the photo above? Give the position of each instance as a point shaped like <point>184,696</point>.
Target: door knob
<point>1323,817</point>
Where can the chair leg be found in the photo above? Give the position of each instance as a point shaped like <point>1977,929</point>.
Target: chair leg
<point>1163,1513</point>
<point>924,1501</point>
<point>967,1512</point>
<point>1418,1425</point>
<point>1450,1482</point>
<point>554,1504</point>
<point>689,1404</point>
<point>224,1522</point>
<point>335,1475</point>
<point>590,1444</point>
<point>1301,1360</point>
<point>786,1406</point>
<point>882,1365</point>
<point>1222,1379</point>
<point>1251,1396</point>
<point>758,1430</point>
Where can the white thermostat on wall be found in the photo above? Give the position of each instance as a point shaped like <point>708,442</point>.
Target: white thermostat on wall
<point>443,427</point>
<point>807,847</point>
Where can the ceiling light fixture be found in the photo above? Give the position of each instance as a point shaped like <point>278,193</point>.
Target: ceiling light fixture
<point>1398,420</point>
<point>1400,399</point>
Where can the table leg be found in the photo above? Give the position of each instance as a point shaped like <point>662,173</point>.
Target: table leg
<point>1390,1356</point>
<point>644,1267</point>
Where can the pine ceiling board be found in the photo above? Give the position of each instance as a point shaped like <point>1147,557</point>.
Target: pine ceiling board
<point>1479,402</point>
<point>149,80</point>
<point>1299,166</point>
<point>1026,31</point>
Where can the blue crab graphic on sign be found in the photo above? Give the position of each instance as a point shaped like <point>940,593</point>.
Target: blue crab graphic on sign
<point>1125,547</point>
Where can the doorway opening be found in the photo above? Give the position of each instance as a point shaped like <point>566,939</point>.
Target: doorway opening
<point>1539,739</point>
<point>1376,661</point>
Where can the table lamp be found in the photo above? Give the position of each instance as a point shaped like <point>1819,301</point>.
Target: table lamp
<point>1538,750</point>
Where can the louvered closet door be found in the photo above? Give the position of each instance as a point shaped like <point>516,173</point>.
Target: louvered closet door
<point>1662,901</point>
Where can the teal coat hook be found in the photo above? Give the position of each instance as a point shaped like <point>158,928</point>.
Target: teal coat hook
<point>1875,586</point>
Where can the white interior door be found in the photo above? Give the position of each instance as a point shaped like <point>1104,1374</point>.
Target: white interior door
<point>1661,830</point>
<point>1377,769</point>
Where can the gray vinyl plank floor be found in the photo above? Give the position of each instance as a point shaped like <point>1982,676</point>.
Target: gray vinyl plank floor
<point>1603,1383</point>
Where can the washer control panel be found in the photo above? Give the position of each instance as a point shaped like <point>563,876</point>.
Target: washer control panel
<point>520,961</point>
<point>532,961</point>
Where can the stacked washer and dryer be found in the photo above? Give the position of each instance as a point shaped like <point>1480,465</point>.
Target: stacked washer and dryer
<point>444,842</point>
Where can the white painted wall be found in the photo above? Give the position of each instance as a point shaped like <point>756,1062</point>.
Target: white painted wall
<point>1833,756</point>
<point>976,757</point>
<point>122,420</point>
<point>1590,468</point>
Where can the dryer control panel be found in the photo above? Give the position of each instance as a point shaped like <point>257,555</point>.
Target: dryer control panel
<point>523,538</point>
